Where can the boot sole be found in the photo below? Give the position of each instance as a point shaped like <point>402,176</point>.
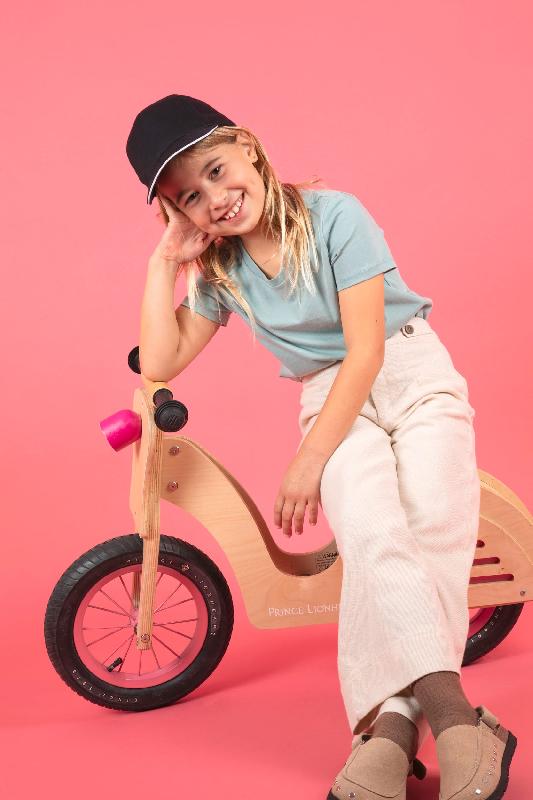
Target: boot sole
<point>420,774</point>
<point>510,747</point>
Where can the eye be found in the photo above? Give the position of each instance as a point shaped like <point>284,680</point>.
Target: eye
<point>190,197</point>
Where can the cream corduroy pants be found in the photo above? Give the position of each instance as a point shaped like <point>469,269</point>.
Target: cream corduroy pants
<point>401,494</point>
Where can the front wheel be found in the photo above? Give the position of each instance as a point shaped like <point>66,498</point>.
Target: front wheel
<point>91,617</point>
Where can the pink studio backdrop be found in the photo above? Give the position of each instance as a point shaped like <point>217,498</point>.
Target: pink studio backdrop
<point>421,110</point>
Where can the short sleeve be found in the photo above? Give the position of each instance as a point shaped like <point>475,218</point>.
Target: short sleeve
<point>356,245</point>
<point>209,303</point>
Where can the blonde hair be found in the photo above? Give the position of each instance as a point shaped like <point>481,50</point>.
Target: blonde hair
<point>286,219</point>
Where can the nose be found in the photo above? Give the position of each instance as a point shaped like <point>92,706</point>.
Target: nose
<point>218,201</point>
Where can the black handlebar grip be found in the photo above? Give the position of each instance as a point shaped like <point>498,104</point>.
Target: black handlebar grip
<point>170,415</point>
<point>134,362</point>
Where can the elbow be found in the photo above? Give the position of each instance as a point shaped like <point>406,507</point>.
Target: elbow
<point>157,375</point>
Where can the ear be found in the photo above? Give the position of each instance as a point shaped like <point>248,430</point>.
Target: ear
<point>249,147</point>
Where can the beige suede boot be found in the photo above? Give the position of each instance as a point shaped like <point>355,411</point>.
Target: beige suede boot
<point>474,759</point>
<point>376,769</point>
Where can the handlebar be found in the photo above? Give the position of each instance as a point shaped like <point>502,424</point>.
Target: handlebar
<point>170,415</point>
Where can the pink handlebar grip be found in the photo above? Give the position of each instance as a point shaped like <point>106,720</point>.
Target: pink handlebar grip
<point>122,428</point>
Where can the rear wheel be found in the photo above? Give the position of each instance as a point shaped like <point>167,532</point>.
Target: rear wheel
<point>488,627</point>
<point>91,618</point>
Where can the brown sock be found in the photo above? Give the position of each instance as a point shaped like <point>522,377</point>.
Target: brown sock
<point>398,728</point>
<point>443,701</point>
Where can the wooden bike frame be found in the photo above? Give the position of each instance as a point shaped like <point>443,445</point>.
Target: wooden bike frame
<point>288,589</point>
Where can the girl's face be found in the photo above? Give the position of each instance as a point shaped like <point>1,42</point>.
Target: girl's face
<point>206,188</point>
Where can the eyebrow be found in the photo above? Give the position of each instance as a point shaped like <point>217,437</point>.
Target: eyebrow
<point>211,161</point>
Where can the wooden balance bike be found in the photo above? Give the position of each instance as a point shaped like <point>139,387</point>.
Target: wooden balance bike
<point>142,620</point>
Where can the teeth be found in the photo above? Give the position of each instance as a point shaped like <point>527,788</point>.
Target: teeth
<point>234,210</point>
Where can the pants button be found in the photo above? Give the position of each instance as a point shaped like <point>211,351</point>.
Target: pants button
<point>408,328</point>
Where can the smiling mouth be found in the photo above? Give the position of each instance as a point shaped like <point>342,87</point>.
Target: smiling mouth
<point>229,219</point>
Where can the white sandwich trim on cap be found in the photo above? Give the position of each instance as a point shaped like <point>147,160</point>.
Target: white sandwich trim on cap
<point>172,156</point>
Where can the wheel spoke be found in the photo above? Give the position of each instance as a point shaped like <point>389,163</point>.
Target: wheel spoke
<point>176,621</point>
<point>114,601</point>
<point>126,653</point>
<point>106,628</point>
<point>168,598</point>
<point>155,656</point>
<point>130,598</point>
<point>94,641</point>
<point>173,605</point>
<point>165,645</point>
<point>173,631</point>
<point>114,651</point>
<point>110,610</point>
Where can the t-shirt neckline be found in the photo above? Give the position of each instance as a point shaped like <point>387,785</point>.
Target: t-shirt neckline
<point>256,270</point>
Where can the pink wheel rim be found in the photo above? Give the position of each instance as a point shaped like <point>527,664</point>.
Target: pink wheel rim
<point>104,628</point>
<point>478,619</point>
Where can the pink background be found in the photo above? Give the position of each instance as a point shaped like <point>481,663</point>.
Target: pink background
<point>421,110</point>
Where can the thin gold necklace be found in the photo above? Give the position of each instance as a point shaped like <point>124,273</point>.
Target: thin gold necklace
<point>269,258</point>
<point>272,256</point>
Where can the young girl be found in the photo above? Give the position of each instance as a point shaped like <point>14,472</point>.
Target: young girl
<point>388,446</point>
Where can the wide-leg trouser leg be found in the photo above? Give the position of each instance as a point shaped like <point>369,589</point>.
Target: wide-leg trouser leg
<point>401,495</point>
<point>428,477</point>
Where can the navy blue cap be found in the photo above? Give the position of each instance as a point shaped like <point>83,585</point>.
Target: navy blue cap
<point>165,128</point>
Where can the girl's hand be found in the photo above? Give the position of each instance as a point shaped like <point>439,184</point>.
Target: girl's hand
<point>182,240</point>
<point>300,488</point>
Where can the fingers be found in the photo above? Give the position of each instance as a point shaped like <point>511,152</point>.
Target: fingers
<point>287,511</point>
<point>286,516</point>
<point>312,511</point>
<point>298,517</point>
<point>278,507</point>
<point>173,212</point>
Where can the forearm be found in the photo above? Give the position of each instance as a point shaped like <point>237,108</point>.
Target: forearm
<point>160,335</point>
<point>344,402</point>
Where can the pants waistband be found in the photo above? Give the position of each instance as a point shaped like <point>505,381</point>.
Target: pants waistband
<point>416,326</point>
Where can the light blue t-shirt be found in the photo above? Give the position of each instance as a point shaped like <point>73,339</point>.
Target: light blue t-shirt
<point>304,331</point>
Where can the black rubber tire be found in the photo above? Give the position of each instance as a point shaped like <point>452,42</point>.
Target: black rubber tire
<point>497,627</point>
<point>100,561</point>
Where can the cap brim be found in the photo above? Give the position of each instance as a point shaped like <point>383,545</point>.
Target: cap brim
<point>151,190</point>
